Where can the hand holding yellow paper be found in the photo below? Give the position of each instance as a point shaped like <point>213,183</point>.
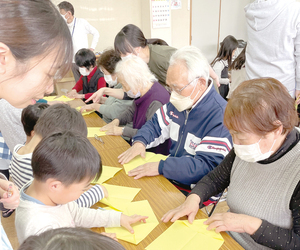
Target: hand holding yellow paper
<point>85,112</point>
<point>185,236</point>
<point>107,173</point>
<point>92,131</point>
<point>119,197</point>
<point>141,230</point>
<point>138,160</point>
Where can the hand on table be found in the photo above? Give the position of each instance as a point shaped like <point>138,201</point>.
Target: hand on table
<point>90,107</point>
<point>190,208</point>
<point>137,148</point>
<point>72,93</point>
<point>239,223</point>
<point>96,96</point>
<point>110,125</point>
<point>11,202</point>
<point>126,221</point>
<point>110,235</point>
<point>148,169</point>
<point>113,130</point>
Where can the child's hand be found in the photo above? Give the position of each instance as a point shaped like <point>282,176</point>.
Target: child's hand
<point>126,221</point>
<point>72,93</point>
<point>104,191</point>
<point>10,200</point>
<point>111,235</point>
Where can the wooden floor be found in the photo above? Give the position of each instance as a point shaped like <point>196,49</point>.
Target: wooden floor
<point>9,223</point>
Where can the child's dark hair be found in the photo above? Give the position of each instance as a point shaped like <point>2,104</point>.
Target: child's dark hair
<point>30,115</point>
<point>238,63</point>
<point>70,238</point>
<point>66,6</point>
<point>85,58</point>
<point>60,117</point>
<point>109,60</point>
<point>67,157</point>
<point>228,45</point>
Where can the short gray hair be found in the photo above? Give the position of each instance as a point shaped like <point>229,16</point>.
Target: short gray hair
<point>135,72</point>
<point>195,62</point>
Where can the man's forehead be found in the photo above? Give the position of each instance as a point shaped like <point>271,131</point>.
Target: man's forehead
<point>177,73</point>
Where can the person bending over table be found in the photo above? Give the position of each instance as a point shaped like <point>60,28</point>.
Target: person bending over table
<point>262,172</point>
<point>193,120</point>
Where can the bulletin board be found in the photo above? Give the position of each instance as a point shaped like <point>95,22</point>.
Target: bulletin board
<point>161,15</point>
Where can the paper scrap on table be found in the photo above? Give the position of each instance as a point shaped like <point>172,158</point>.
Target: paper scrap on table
<point>138,160</point>
<point>119,197</point>
<point>107,173</point>
<point>85,112</point>
<point>64,98</point>
<point>185,236</point>
<point>92,131</point>
<point>141,229</point>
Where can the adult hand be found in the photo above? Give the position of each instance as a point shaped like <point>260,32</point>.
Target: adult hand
<point>110,125</point>
<point>72,93</point>
<point>9,200</point>
<point>148,169</point>
<point>110,235</point>
<point>239,223</point>
<point>298,97</point>
<point>190,208</point>
<point>90,107</point>
<point>96,96</point>
<point>126,221</point>
<point>115,130</point>
<point>137,148</point>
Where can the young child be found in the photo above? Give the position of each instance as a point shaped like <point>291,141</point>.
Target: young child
<point>223,61</point>
<point>59,179</point>
<point>57,117</point>
<point>69,238</point>
<point>91,78</point>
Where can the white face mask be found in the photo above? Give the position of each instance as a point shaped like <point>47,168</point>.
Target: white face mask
<point>134,96</point>
<point>252,153</point>
<point>64,17</point>
<point>182,103</point>
<point>83,71</point>
<point>126,57</point>
<point>111,83</point>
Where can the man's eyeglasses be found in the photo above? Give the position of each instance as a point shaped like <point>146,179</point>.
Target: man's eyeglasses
<point>179,91</point>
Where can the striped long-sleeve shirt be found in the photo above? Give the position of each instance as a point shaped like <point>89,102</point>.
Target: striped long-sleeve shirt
<point>20,171</point>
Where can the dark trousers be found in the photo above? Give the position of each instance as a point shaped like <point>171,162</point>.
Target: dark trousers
<point>224,89</point>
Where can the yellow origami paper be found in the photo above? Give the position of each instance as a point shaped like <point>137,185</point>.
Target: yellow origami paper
<point>138,160</point>
<point>64,98</point>
<point>107,173</point>
<point>141,230</point>
<point>119,197</point>
<point>50,98</point>
<point>185,236</point>
<point>85,112</point>
<point>92,131</point>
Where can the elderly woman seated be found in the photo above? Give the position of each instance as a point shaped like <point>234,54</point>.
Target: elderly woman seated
<point>141,85</point>
<point>262,172</point>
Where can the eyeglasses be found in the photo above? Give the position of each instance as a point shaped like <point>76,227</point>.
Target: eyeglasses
<point>179,91</point>
<point>98,138</point>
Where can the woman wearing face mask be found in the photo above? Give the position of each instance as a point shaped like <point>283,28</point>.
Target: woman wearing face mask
<point>31,56</point>
<point>138,83</point>
<point>262,172</point>
<point>110,108</point>
<point>91,78</point>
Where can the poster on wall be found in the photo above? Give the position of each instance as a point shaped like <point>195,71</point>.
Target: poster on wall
<point>175,4</point>
<point>160,14</point>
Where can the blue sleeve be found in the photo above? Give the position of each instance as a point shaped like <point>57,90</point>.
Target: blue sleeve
<point>42,101</point>
<point>90,197</point>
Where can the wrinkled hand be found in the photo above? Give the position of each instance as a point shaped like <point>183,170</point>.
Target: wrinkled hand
<point>96,96</point>
<point>126,221</point>
<point>239,223</point>
<point>90,107</point>
<point>148,169</point>
<point>115,130</point>
<point>9,202</point>
<point>136,149</point>
<point>110,125</point>
<point>110,235</point>
<point>190,208</point>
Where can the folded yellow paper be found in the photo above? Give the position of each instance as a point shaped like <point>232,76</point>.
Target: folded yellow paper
<point>107,173</point>
<point>185,236</point>
<point>50,98</point>
<point>138,160</point>
<point>85,112</point>
<point>64,98</point>
<point>119,197</point>
<point>92,131</point>
<point>141,230</point>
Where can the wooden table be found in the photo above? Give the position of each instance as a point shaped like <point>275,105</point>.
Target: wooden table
<point>160,193</point>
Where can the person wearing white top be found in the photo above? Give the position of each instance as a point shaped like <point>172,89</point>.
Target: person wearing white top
<point>79,29</point>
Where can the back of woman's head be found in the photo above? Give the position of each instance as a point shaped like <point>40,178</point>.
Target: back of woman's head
<point>128,38</point>
<point>239,62</point>
<point>109,60</point>
<point>70,239</point>
<point>260,106</point>
<point>34,28</point>
<point>228,45</point>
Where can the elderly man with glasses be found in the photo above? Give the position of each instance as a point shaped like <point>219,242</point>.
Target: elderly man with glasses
<point>193,120</point>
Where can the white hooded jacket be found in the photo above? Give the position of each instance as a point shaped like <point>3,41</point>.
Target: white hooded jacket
<point>273,49</point>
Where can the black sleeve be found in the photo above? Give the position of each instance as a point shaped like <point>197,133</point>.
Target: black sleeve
<point>216,180</point>
<point>279,238</point>
<point>126,97</point>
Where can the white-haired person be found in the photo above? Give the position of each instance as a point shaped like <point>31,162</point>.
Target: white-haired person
<point>140,84</point>
<point>193,120</point>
